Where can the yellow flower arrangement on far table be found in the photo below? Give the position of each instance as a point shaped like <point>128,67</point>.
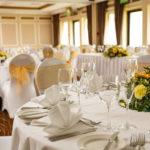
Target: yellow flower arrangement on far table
<point>3,56</point>
<point>115,51</point>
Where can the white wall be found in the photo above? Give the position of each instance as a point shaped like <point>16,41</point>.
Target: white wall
<point>22,30</point>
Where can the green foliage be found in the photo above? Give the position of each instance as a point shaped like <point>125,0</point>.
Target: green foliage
<point>140,79</point>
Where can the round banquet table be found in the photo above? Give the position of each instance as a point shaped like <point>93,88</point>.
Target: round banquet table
<point>104,65</point>
<point>27,137</point>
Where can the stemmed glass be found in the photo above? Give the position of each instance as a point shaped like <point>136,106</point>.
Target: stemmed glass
<point>108,94</point>
<point>130,69</point>
<point>127,97</point>
<point>65,80</point>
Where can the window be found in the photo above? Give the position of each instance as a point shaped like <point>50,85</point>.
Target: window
<point>110,36</point>
<point>64,33</point>
<point>135,28</point>
<point>76,33</point>
<point>85,38</point>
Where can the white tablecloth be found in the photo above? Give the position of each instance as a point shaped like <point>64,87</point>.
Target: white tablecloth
<point>104,65</point>
<point>27,137</point>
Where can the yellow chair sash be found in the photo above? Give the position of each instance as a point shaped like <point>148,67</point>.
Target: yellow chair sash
<point>73,54</point>
<point>21,74</point>
<point>48,54</point>
<point>61,56</point>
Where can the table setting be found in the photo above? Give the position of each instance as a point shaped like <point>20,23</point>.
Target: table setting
<point>81,116</point>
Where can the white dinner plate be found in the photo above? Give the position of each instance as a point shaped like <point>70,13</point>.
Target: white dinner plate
<point>93,142</point>
<point>98,142</point>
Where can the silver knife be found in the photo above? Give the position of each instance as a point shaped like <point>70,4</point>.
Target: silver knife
<point>25,107</point>
<point>110,140</point>
<point>64,136</point>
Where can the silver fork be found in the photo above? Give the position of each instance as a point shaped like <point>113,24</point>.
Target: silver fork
<point>133,140</point>
<point>141,140</point>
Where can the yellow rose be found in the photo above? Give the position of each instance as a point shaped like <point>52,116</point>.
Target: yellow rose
<point>2,54</point>
<point>140,91</point>
<point>115,50</point>
<point>147,76</point>
<point>121,51</point>
<point>119,55</point>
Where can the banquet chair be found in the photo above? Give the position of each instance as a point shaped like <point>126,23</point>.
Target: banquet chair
<point>141,50</point>
<point>5,142</point>
<point>47,52</point>
<point>20,88</point>
<point>47,73</point>
<point>73,57</point>
<point>85,48</point>
<point>143,61</point>
<point>59,55</point>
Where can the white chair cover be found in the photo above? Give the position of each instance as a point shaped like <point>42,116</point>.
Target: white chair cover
<point>46,74</point>
<point>48,52</point>
<point>143,61</point>
<point>11,97</point>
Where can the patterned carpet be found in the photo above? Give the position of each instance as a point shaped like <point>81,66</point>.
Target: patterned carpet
<point>5,122</point>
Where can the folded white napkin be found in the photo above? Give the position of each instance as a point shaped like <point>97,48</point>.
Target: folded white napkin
<point>95,84</point>
<point>44,121</point>
<point>51,97</point>
<point>63,116</point>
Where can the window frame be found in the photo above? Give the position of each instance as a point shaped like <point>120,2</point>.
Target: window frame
<point>73,22</point>
<point>128,23</point>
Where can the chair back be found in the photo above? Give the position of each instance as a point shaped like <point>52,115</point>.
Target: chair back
<point>47,73</point>
<point>143,61</point>
<point>59,55</point>
<point>47,52</point>
<point>21,87</point>
<point>85,48</point>
<point>21,68</point>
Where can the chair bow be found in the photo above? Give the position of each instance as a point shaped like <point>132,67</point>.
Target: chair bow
<point>21,74</point>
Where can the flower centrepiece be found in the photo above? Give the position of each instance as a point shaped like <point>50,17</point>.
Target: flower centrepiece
<point>3,56</point>
<point>141,98</point>
<point>115,51</point>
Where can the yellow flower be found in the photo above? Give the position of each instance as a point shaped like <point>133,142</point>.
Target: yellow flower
<point>140,91</point>
<point>121,51</point>
<point>2,54</point>
<point>119,55</point>
<point>61,47</point>
<point>111,54</point>
<point>147,76</point>
<point>115,50</point>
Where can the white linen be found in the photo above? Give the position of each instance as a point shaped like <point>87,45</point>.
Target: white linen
<point>27,137</point>
<point>12,99</point>
<point>63,116</point>
<point>104,65</point>
<point>51,97</point>
<point>144,59</point>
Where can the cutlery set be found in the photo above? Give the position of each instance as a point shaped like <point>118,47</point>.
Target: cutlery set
<point>137,140</point>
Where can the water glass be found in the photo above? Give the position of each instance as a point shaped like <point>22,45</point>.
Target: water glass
<point>65,80</point>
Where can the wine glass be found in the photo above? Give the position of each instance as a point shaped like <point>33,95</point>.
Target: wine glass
<point>126,95</point>
<point>108,94</point>
<point>130,68</point>
<point>65,80</point>
<point>100,48</point>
